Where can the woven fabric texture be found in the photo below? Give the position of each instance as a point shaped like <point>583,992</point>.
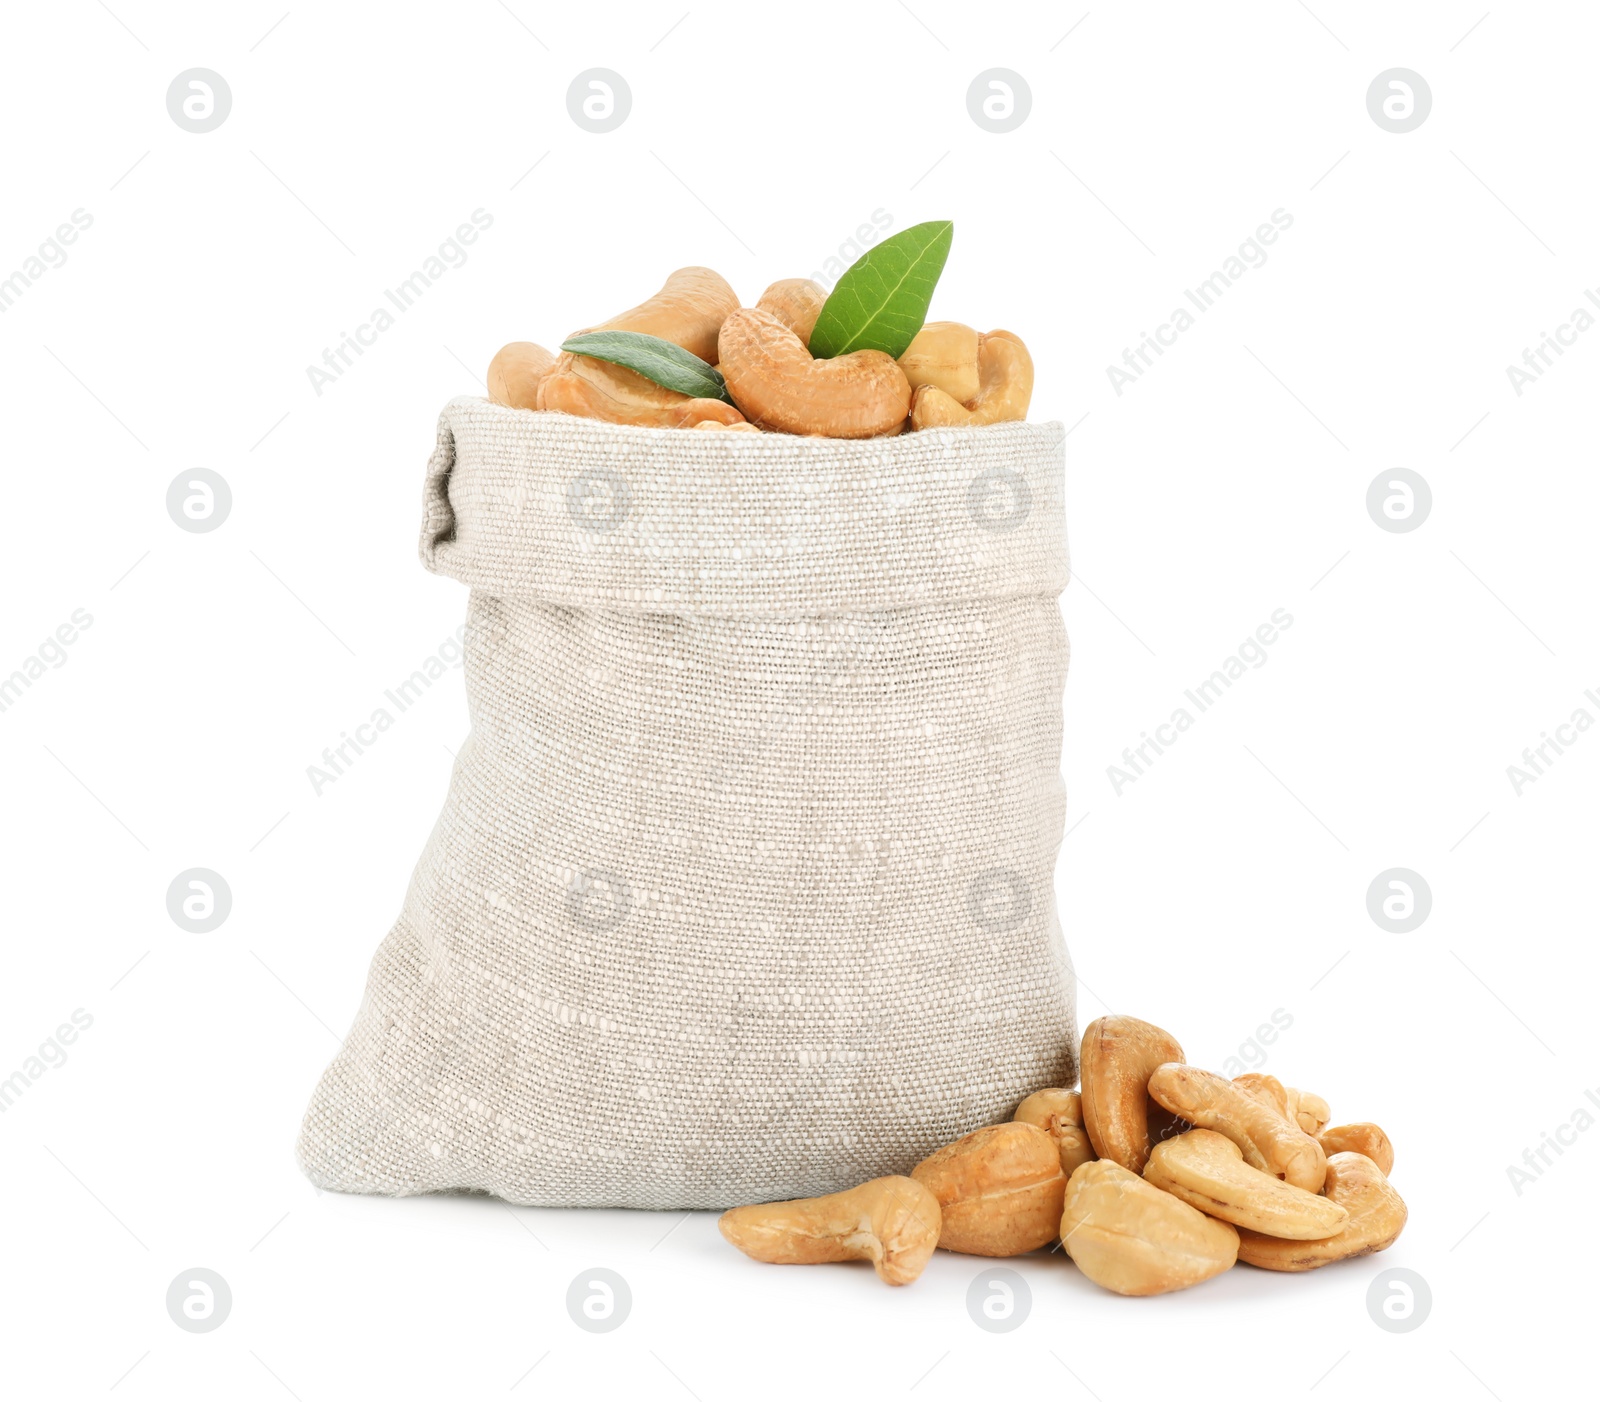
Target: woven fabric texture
<point>743,886</point>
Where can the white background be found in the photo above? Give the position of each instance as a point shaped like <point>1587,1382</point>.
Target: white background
<point>1225,884</point>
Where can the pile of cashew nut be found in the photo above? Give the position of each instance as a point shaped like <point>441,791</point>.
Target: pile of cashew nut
<point>1154,1176</point>
<point>950,375</point>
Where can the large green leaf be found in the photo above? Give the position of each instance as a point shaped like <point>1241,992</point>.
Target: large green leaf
<point>882,300</point>
<point>667,364</point>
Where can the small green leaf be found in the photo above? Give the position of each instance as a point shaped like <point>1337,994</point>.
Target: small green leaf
<point>667,364</point>
<point>882,300</point>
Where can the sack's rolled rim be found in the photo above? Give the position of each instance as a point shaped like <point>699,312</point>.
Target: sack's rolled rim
<point>1048,432</point>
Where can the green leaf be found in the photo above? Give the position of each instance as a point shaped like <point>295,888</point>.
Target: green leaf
<point>668,365</point>
<point>882,300</point>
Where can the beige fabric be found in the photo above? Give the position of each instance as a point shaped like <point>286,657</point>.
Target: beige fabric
<point>742,889</point>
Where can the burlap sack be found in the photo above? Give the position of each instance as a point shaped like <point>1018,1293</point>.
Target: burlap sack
<point>742,889</point>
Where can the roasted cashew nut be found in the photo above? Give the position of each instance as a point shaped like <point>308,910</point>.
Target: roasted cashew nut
<point>1208,1171</point>
<point>1377,1215</point>
<point>516,372</point>
<point>944,354</point>
<point>1136,1239</point>
<point>892,1222</point>
<point>689,311</point>
<point>999,1190</point>
<point>596,389</point>
<point>1267,1089</point>
<point>1118,1056</point>
<point>1059,1113</point>
<point>1362,1137</point>
<point>1300,1107</point>
<point>1309,1111</point>
<point>796,302</point>
<point>1005,385</point>
<point>1268,1141</point>
<point>778,385</point>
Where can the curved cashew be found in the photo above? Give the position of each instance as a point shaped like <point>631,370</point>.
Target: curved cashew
<point>1135,1239</point>
<point>596,389</point>
<point>1005,385</point>
<point>1045,1105</point>
<point>1119,1054</point>
<point>774,380</point>
<point>1059,1113</point>
<point>1268,1141</point>
<point>892,1222</point>
<point>717,423</point>
<point>999,1190</point>
<point>1360,1138</point>
<point>796,302</point>
<point>1377,1214</point>
<point>1300,1107</point>
<point>689,311</point>
<point>515,373</point>
<point>1310,1112</point>
<point>1208,1171</point>
<point>1269,1090</point>
<point>944,354</point>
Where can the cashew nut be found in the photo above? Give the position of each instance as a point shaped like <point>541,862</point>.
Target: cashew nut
<point>892,1222</point>
<point>1362,1137</point>
<point>1118,1056</point>
<point>1267,1089</point>
<point>776,382</point>
<point>999,1190</point>
<point>1309,1111</point>
<point>1059,1113</point>
<point>944,354</point>
<point>1136,1239</point>
<point>1300,1107</point>
<point>1208,1171</point>
<point>1376,1216</point>
<point>689,311</point>
<point>596,389</point>
<point>715,423</point>
<point>1005,385</point>
<point>1268,1141</point>
<point>796,302</point>
<point>515,373</point>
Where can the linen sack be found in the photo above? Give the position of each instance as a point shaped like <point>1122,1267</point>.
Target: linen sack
<point>743,886</point>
